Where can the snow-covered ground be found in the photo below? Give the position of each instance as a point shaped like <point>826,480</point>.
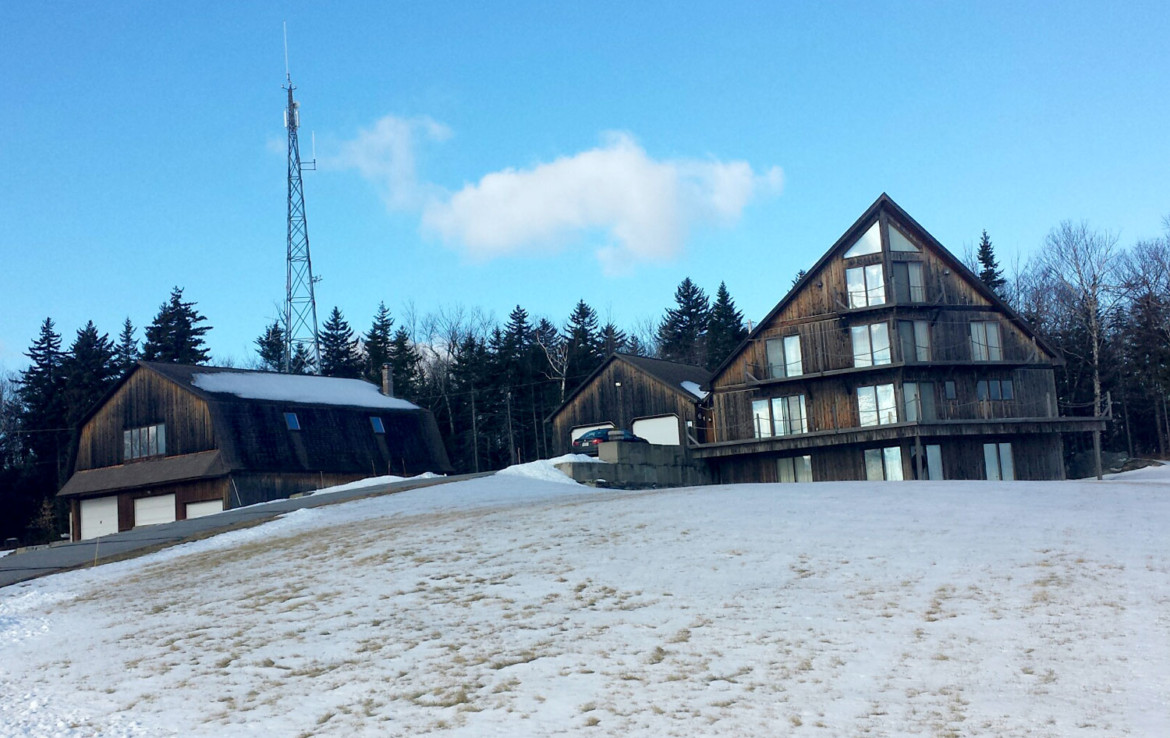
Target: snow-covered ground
<point>515,605</point>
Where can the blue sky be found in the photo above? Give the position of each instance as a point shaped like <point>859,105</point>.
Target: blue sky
<point>488,155</point>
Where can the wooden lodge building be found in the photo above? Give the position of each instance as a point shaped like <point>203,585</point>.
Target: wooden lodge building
<point>658,400</point>
<point>171,442</point>
<point>888,360</point>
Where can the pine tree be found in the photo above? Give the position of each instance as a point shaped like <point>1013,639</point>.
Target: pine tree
<point>90,369</point>
<point>126,350</point>
<point>636,347</point>
<point>799,276</point>
<point>44,429</point>
<point>404,366</point>
<point>682,334</point>
<point>271,347</point>
<point>302,362</point>
<point>725,329</point>
<point>613,340</point>
<point>990,274</point>
<point>175,336</point>
<point>583,352</point>
<point>378,340</point>
<point>340,356</point>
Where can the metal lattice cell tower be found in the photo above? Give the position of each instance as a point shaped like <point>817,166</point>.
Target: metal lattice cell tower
<point>300,307</point>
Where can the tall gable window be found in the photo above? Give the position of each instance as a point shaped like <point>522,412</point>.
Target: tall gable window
<point>871,344</point>
<point>866,286</point>
<point>909,285</point>
<point>986,344</point>
<point>290,420</point>
<point>875,405</point>
<point>869,243</point>
<point>899,242</point>
<point>139,443</point>
<point>784,357</point>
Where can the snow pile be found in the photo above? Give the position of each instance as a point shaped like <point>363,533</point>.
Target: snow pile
<point>508,605</point>
<point>545,470</point>
<point>299,388</point>
<point>694,389</point>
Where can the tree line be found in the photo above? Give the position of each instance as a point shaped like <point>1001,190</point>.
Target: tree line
<point>490,386</point>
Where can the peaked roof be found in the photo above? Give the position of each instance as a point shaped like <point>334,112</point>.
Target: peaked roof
<point>671,374</point>
<point>885,202</point>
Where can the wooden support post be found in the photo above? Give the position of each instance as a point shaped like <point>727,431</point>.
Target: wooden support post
<point>918,455</point>
<point>1097,451</point>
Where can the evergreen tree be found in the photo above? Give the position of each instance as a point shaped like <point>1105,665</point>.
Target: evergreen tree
<point>378,340</point>
<point>989,273</point>
<point>126,350</point>
<point>682,334</point>
<point>404,366</point>
<point>725,328</point>
<point>302,362</point>
<point>340,356</point>
<point>271,347</point>
<point>613,340</point>
<point>175,336</point>
<point>90,369</point>
<point>583,350</point>
<point>799,276</point>
<point>637,347</point>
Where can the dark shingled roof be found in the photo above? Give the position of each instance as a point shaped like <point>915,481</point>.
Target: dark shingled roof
<point>205,464</point>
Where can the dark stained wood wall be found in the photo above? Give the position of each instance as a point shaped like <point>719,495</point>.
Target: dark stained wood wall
<point>145,399</point>
<point>601,401</point>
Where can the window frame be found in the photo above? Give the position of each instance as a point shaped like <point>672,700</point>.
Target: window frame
<point>784,346</point>
<point>983,348</point>
<point>144,442</point>
<point>784,423</point>
<point>796,472</point>
<point>377,424</point>
<point>291,421</point>
<point>879,410</point>
<point>869,333</point>
<point>998,462</point>
<point>888,459</point>
<point>870,294</point>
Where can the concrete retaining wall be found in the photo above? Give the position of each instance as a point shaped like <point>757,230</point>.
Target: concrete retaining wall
<point>638,465</point>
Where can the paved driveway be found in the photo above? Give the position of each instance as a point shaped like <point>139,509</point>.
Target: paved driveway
<point>19,567</point>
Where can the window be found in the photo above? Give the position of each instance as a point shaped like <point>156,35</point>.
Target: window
<point>376,422</point>
<point>761,419</point>
<point>997,458</point>
<point>949,388</point>
<point>883,464</point>
<point>869,243</point>
<point>985,341</point>
<point>139,443</point>
<point>915,338</point>
<point>866,286</point>
<point>788,416</point>
<point>290,419</point>
<point>918,401</point>
<point>908,282</point>
<point>934,468</point>
<point>871,344</point>
<point>795,469</point>
<point>780,416</point>
<point>875,405</point>
<point>994,389</point>
<point>899,242</point>
<point>784,357</point>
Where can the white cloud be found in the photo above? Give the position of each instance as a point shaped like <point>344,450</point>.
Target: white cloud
<point>640,208</point>
<point>385,155</point>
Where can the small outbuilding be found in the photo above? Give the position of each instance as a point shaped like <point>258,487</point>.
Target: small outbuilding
<point>171,442</point>
<point>656,399</point>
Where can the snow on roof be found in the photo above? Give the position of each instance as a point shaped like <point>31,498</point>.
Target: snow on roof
<point>298,388</point>
<point>693,388</point>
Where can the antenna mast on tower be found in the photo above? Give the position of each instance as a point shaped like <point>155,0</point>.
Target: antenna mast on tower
<point>300,307</point>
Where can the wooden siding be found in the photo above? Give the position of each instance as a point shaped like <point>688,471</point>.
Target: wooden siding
<point>601,401</point>
<point>145,399</point>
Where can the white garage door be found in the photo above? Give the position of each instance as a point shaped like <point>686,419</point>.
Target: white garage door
<point>154,510</point>
<point>576,433</point>
<point>199,509</point>
<point>99,517</point>
<point>662,430</point>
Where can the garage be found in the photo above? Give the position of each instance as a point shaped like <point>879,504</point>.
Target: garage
<point>661,430</point>
<point>200,509</point>
<point>154,510</point>
<point>99,516</point>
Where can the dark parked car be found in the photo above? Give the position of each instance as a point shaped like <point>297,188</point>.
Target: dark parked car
<point>588,442</point>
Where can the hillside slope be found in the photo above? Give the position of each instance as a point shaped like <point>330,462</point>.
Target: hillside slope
<point>517,606</point>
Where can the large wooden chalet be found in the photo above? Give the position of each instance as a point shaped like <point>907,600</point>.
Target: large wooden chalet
<point>171,442</point>
<point>888,360</point>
